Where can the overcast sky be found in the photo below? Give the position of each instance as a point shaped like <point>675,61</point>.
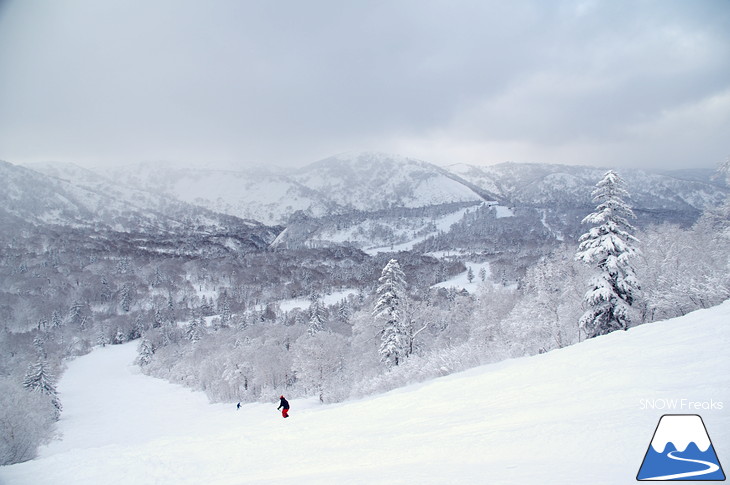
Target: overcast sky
<point>612,83</point>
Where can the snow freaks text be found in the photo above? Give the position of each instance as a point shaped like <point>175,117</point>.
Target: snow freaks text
<point>680,405</point>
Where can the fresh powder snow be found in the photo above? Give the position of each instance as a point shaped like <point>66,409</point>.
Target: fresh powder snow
<point>577,415</point>
<point>304,303</point>
<point>461,280</point>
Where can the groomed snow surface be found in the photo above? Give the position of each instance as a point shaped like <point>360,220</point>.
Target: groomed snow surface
<point>578,415</point>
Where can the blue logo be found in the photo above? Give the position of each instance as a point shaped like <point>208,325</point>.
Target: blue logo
<point>681,450</point>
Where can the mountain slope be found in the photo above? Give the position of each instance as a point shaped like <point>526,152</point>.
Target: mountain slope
<point>71,199</point>
<point>373,181</point>
<point>269,196</point>
<point>30,197</point>
<point>344,183</point>
<point>543,185</point>
<point>573,416</point>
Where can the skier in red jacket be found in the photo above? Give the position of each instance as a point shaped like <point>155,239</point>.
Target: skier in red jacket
<point>284,406</point>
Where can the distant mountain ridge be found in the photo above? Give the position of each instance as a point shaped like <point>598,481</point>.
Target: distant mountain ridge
<point>67,197</point>
<point>543,185</point>
<point>344,183</point>
<point>364,199</point>
<point>372,181</point>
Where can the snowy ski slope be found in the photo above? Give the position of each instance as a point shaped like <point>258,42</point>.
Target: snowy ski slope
<point>580,415</point>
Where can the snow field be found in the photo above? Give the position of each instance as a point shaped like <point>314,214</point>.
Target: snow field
<point>461,281</point>
<point>304,303</point>
<point>442,223</point>
<point>572,416</point>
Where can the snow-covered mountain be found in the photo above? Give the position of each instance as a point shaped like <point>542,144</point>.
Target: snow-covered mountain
<point>269,196</point>
<point>68,197</point>
<point>340,184</point>
<point>376,200</point>
<point>30,197</point>
<point>547,185</point>
<point>372,181</point>
<point>568,416</point>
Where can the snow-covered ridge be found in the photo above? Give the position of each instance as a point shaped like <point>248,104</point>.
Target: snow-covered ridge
<point>70,197</point>
<point>370,181</point>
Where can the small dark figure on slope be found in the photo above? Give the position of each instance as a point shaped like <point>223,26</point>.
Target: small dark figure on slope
<point>284,406</point>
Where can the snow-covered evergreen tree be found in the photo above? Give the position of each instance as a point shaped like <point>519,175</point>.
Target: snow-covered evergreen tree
<point>39,379</point>
<point>395,336</point>
<point>193,329</point>
<point>146,350</point>
<point>317,317</point>
<point>125,297</point>
<point>56,320</point>
<point>158,278</point>
<point>205,308</point>
<point>610,246</point>
<point>75,314</point>
<point>483,274</point>
<point>138,328</point>
<point>157,321</point>
<point>344,311</point>
<point>103,335</point>
<point>170,309</point>
<point>224,308</point>
<point>119,337</point>
<point>40,347</point>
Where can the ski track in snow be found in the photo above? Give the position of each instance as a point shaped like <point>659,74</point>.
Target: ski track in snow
<point>571,416</point>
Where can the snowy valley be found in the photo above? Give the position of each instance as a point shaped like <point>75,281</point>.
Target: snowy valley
<point>428,323</point>
<point>371,242</point>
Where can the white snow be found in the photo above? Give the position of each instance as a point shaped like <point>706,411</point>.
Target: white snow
<point>571,416</point>
<point>502,211</point>
<point>462,279</point>
<point>395,248</point>
<point>441,224</point>
<point>358,180</point>
<point>545,224</point>
<point>304,303</point>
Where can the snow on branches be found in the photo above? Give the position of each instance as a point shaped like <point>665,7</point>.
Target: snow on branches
<point>39,379</point>
<point>395,335</point>
<point>610,246</point>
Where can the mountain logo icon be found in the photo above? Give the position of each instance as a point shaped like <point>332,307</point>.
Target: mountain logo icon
<point>681,450</point>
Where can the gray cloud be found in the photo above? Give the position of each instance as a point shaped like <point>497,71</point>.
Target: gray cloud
<point>628,83</point>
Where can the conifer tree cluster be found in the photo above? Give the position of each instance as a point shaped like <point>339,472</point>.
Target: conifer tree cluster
<point>39,379</point>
